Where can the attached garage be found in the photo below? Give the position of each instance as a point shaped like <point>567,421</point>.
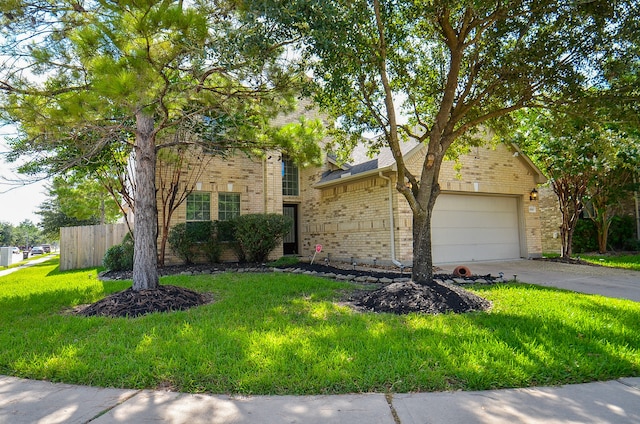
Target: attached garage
<point>467,227</point>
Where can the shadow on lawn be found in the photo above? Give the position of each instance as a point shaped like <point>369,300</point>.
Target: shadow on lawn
<point>294,338</point>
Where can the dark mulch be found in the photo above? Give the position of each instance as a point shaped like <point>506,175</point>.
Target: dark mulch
<point>130,303</point>
<point>407,297</point>
<point>398,298</point>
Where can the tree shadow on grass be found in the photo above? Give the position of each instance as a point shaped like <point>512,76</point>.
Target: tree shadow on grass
<point>294,338</point>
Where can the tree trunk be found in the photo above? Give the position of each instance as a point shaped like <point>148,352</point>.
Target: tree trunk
<point>145,254</point>
<point>603,222</point>
<point>164,236</point>
<point>422,271</point>
<point>426,195</point>
<point>570,193</point>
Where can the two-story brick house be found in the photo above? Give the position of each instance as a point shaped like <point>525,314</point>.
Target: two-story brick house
<point>355,212</point>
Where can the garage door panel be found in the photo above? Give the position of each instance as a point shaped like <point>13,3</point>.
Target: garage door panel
<point>473,228</point>
<point>481,219</point>
<point>474,235</point>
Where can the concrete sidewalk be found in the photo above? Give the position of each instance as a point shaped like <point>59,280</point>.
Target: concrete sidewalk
<point>31,262</point>
<point>28,402</point>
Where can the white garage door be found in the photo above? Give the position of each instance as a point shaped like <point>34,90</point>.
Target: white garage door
<point>474,228</point>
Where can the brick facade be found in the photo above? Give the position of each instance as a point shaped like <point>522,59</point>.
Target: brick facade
<point>258,181</point>
<point>352,217</point>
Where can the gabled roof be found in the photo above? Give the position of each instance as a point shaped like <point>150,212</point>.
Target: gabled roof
<point>363,164</point>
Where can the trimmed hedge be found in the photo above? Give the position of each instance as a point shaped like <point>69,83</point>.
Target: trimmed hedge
<point>258,235</point>
<point>188,240</point>
<point>120,256</point>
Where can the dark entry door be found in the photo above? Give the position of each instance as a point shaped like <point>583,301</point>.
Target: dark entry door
<point>290,241</point>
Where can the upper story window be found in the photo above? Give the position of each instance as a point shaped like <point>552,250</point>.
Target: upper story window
<point>290,185</point>
<point>199,207</point>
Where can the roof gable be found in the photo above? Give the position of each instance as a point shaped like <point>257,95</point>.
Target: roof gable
<point>363,164</point>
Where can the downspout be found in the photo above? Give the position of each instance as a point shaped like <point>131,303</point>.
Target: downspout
<point>391,221</point>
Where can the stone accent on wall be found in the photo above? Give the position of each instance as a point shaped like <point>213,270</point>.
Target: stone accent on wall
<point>550,220</point>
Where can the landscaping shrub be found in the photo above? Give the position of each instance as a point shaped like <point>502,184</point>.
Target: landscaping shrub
<point>211,247</point>
<point>180,243</point>
<point>120,256</point>
<point>585,237</point>
<point>188,240</point>
<point>258,234</point>
<point>622,235</point>
<point>285,261</point>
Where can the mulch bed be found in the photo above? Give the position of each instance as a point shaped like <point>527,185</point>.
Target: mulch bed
<point>406,297</point>
<point>398,297</point>
<point>130,303</point>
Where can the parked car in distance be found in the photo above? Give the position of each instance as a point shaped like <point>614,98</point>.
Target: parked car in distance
<point>46,248</point>
<point>37,250</point>
<point>15,250</point>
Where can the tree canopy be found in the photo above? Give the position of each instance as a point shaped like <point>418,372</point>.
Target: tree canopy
<point>440,71</point>
<point>590,164</point>
<point>82,77</point>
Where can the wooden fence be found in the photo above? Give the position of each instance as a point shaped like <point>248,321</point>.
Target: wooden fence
<point>84,247</point>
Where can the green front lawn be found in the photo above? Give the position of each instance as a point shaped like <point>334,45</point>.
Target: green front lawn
<point>614,261</point>
<point>287,334</point>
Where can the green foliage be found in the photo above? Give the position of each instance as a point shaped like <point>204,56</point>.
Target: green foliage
<point>624,261</point>
<point>284,261</point>
<point>451,67</point>
<point>180,242</point>
<point>125,74</point>
<point>207,241</point>
<point>258,234</point>
<point>6,234</point>
<point>585,237</point>
<point>120,256</point>
<point>188,240</point>
<point>622,236</point>
<point>291,335</point>
<point>27,234</point>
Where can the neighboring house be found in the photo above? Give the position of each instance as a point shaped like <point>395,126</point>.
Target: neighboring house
<point>356,214</point>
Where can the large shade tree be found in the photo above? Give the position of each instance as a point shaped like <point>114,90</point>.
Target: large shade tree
<point>438,71</point>
<point>79,77</point>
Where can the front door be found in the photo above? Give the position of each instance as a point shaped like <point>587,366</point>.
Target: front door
<point>290,241</point>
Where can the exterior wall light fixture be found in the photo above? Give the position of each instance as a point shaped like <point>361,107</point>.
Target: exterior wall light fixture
<point>533,195</point>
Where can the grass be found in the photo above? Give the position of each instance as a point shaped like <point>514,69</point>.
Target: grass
<point>615,261</point>
<point>287,334</point>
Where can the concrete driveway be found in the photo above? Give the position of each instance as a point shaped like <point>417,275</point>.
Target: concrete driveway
<point>610,282</point>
